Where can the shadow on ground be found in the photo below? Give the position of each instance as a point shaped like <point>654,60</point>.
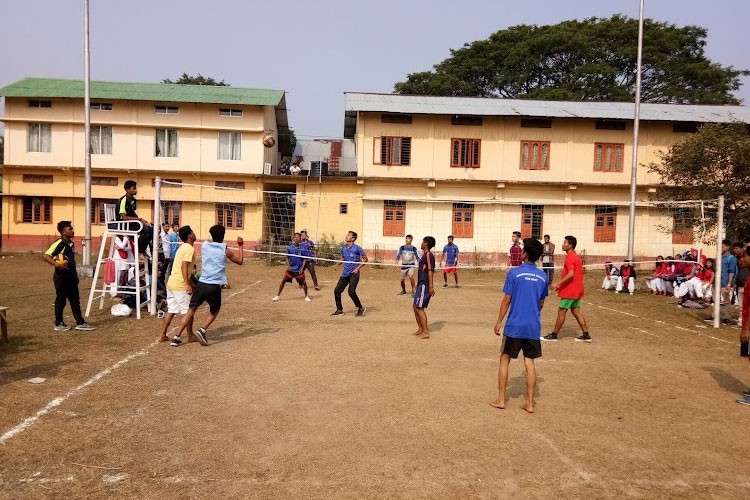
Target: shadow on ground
<point>725,380</point>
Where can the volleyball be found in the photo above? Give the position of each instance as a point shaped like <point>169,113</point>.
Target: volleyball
<point>269,141</point>
<point>61,260</point>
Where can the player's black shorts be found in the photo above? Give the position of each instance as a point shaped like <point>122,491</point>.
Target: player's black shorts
<point>291,275</point>
<point>531,348</point>
<point>204,292</point>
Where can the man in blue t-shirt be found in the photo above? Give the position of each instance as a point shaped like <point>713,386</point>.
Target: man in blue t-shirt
<point>525,289</point>
<point>450,254</point>
<point>308,249</point>
<point>354,259</point>
<point>425,286</point>
<point>407,256</point>
<point>295,266</point>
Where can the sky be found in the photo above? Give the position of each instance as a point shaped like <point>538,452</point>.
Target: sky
<point>314,50</point>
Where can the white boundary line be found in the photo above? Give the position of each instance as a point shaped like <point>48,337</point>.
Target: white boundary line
<point>28,422</point>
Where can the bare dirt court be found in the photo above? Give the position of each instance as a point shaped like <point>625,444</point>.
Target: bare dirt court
<point>288,402</point>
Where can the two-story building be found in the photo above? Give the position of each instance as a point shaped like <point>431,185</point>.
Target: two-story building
<point>481,168</point>
<point>190,135</point>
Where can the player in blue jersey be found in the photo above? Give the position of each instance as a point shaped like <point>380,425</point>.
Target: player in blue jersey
<point>354,258</point>
<point>525,290</point>
<point>450,255</point>
<point>295,266</point>
<point>407,256</point>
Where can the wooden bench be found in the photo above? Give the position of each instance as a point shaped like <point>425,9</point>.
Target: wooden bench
<point>4,323</point>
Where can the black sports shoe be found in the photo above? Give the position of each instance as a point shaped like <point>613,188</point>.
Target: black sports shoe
<point>584,338</point>
<point>201,334</point>
<point>552,337</point>
<point>402,292</point>
<point>337,312</point>
<point>176,342</point>
<point>746,394</point>
<point>445,285</point>
<point>361,311</point>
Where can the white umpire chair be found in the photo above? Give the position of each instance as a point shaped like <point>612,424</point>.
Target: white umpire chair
<point>112,229</point>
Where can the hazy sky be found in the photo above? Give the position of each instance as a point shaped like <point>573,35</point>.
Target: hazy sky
<point>314,50</point>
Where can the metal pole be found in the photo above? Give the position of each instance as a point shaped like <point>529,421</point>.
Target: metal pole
<point>717,269</point>
<point>636,124</point>
<point>156,244</point>
<point>87,135</point>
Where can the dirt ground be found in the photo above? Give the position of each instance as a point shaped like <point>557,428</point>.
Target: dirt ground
<point>289,402</point>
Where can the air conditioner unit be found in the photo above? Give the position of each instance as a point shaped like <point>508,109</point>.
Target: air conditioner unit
<point>267,169</point>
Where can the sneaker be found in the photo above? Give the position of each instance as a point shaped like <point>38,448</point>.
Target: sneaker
<point>631,293</point>
<point>445,285</point>
<point>744,401</point>
<point>201,334</point>
<point>275,299</point>
<point>85,327</point>
<point>617,291</point>
<point>552,337</point>
<point>337,312</point>
<point>584,338</point>
<point>176,342</point>
<point>62,327</point>
<point>746,394</point>
<point>317,287</point>
<point>308,299</point>
<point>361,311</point>
<point>402,292</point>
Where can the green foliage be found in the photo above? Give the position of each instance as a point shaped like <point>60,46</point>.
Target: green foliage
<point>593,59</point>
<point>328,248</point>
<point>712,162</point>
<point>198,79</point>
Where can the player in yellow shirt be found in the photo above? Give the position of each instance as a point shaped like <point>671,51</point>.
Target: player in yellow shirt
<point>179,283</point>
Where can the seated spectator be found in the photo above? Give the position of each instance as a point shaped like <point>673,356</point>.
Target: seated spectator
<point>666,278</point>
<point>284,169</point>
<point>689,270</point>
<point>295,169</point>
<point>651,281</point>
<point>610,276</point>
<point>627,278</point>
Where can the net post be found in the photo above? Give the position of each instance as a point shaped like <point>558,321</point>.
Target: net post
<point>717,273</point>
<point>156,244</point>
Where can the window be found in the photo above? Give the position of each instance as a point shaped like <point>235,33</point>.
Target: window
<point>101,106</point>
<point>536,123</point>
<point>40,104</point>
<point>531,221</point>
<point>230,146</point>
<point>166,142</point>
<point>535,155</point>
<point>343,208</point>
<point>608,157</point>
<point>688,127</point>
<point>230,215</point>
<point>97,214</point>
<point>37,210</point>
<point>104,181</point>
<point>609,125</point>
<point>463,220</point>
<point>465,152</point>
<point>230,112</point>
<point>394,218</point>
<point>166,110</point>
<point>466,120</point>
<point>682,226</point>
<point>395,118</point>
<point>171,211</point>
<point>606,224</point>
<point>37,178</point>
<point>230,184</point>
<point>101,140</point>
<point>40,138</point>
<point>392,150</point>
<point>168,183</point>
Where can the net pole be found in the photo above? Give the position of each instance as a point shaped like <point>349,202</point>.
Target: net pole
<point>157,242</point>
<point>86,137</point>
<point>717,274</point>
<point>636,123</point>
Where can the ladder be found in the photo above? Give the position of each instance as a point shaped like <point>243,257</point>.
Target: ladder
<point>112,229</point>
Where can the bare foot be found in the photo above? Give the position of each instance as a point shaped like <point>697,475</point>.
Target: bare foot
<point>192,338</point>
<point>500,405</point>
<point>423,336</point>
<point>528,407</point>
<point>418,332</point>
<point>164,339</point>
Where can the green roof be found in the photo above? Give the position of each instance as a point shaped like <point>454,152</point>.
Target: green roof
<point>160,92</point>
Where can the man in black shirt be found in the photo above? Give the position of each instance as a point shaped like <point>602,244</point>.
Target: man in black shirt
<point>126,210</point>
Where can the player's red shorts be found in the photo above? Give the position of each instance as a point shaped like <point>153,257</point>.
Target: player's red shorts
<point>291,275</point>
<point>450,269</point>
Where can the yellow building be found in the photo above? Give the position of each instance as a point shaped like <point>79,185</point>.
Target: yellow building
<point>188,134</point>
<point>482,168</point>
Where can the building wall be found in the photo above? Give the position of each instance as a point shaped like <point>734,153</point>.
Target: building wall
<point>318,209</point>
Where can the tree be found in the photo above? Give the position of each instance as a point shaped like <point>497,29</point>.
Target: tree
<point>593,59</point>
<point>712,162</point>
<point>199,79</point>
